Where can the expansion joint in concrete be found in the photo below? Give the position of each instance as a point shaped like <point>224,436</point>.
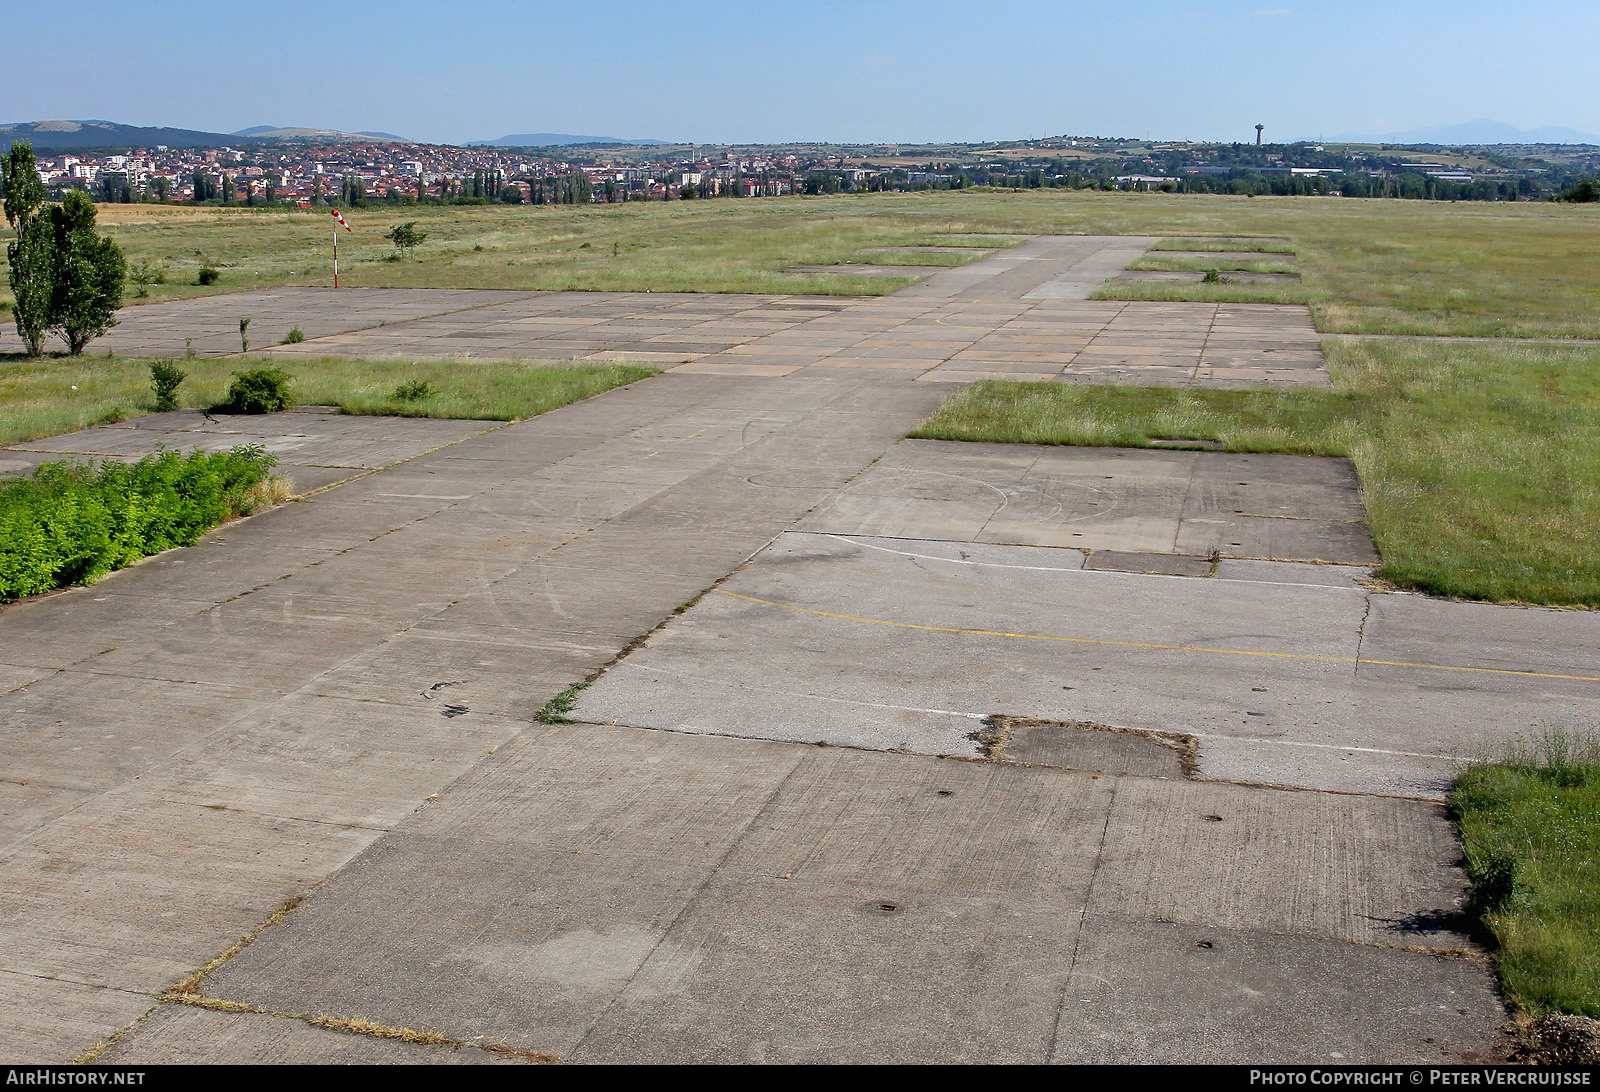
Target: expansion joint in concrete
<point>356,1026</point>
<point>1083,913</point>
<point>691,903</point>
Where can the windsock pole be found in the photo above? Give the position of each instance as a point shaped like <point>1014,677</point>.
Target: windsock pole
<point>338,223</point>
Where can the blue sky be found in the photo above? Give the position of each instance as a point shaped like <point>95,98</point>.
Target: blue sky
<point>867,70</point>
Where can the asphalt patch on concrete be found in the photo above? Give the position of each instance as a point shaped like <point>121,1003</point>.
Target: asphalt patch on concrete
<point>1094,748</point>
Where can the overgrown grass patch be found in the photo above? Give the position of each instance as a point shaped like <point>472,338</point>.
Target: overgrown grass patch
<point>1479,464</point>
<point>1260,246</point>
<point>1124,288</point>
<point>54,395</point>
<point>1183,264</point>
<point>1302,422</point>
<point>71,523</point>
<point>1530,822</point>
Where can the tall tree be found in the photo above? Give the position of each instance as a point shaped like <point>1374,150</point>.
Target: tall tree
<point>28,256</point>
<point>30,269</point>
<point>88,275</point>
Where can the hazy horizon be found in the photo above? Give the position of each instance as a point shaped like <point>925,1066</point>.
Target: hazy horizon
<point>872,71</point>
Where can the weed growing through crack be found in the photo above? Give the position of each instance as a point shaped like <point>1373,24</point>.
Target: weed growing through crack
<point>556,710</point>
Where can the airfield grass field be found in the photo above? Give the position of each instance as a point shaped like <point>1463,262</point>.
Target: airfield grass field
<point>60,394</point>
<point>1479,461</point>
<point>1369,266</point>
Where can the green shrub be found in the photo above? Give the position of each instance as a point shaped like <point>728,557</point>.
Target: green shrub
<point>296,336</point>
<point>414,391</point>
<point>164,378</point>
<point>258,390</point>
<point>207,275</point>
<point>71,523</point>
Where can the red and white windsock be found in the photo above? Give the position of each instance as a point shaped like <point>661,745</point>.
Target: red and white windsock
<point>339,218</point>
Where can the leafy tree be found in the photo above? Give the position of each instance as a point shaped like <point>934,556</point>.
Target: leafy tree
<point>1582,191</point>
<point>88,274</point>
<point>31,270</point>
<point>29,254</point>
<point>24,189</point>
<point>405,237</point>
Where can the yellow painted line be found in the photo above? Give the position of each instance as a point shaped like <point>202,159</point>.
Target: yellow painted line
<point>1162,648</point>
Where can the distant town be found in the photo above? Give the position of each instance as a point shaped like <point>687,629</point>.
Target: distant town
<point>356,173</point>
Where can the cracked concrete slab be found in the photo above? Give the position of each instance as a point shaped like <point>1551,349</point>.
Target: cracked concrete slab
<point>633,895</point>
<point>1178,994</point>
<point>1118,500</point>
<point>851,639</point>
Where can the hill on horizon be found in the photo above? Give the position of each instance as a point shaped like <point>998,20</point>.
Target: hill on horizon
<point>58,136</point>
<point>275,132</point>
<point>553,140</point>
<point>63,135</point>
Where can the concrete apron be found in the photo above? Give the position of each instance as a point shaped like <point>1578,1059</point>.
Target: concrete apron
<point>191,762</point>
<point>343,690</point>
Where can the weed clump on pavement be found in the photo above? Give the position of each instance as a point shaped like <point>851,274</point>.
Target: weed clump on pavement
<point>71,523</point>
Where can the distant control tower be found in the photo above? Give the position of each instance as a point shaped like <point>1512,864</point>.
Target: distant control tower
<point>1258,134</point>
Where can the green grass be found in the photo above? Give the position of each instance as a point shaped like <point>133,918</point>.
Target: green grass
<point>1530,823</point>
<point>1121,288</point>
<point>1199,265</point>
<point>1259,246</point>
<point>1479,464</point>
<point>40,398</point>
<point>1293,422</point>
<point>1373,266</point>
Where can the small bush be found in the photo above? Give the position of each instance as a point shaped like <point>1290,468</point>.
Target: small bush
<point>143,274</point>
<point>207,275</point>
<point>414,391</point>
<point>296,336</point>
<point>71,523</point>
<point>164,379</point>
<point>259,390</point>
